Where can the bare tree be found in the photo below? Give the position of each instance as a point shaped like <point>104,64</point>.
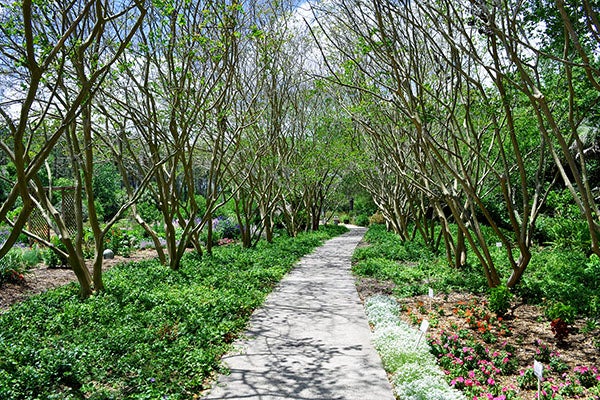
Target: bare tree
<point>177,109</point>
<point>41,45</point>
<point>444,135</point>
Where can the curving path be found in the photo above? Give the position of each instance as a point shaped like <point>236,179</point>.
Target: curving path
<point>311,339</point>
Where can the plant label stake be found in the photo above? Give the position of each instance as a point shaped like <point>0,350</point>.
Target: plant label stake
<point>538,370</point>
<point>423,328</point>
<point>430,298</point>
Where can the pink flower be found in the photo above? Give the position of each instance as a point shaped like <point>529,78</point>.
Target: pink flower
<point>581,369</point>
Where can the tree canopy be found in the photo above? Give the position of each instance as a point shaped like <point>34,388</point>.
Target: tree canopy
<point>467,114</point>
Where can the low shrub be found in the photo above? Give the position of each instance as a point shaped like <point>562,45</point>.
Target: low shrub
<point>377,218</point>
<point>499,299</point>
<point>559,310</point>
<point>120,241</point>
<point>51,257</point>
<point>225,228</point>
<point>361,220</point>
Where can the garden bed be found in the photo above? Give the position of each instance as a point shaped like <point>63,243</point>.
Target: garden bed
<point>491,357</point>
<point>40,278</point>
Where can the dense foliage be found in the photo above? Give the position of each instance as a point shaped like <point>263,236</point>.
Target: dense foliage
<point>154,332</point>
<point>556,275</point>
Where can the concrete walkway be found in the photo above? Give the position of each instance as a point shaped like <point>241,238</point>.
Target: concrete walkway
<point>311,339</point>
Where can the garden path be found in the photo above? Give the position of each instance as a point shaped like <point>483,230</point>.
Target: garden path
<point>311,339</point>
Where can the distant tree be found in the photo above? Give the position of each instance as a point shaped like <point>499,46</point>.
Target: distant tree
<point>176,118</point>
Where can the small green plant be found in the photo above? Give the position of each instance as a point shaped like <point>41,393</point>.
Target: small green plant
<point>590,326</point>
<point>31,256</point>
<point>120,241</point>
<point>13,267</point>
<point>557,364</point>
<point>225,228</point>
<point>564,312</point>
<point>499,299</point>
<point>51,257</point>
<point>527,379</point>
<point>542,351</point>
<point>586,375</point>
<point>377,218</point>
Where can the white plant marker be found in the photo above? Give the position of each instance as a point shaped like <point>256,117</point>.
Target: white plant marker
<point>430,298</point>
<point>423,328</point>
<point>538,370</point>
<point>498,244</point>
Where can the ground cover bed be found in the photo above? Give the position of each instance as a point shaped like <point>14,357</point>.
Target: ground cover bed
<point>154,333</point>
<point>487,354</point>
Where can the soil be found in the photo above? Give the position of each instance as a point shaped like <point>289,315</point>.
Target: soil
<point>41,278</point>
<point>526,325</point>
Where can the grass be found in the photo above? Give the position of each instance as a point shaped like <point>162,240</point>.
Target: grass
<point>154,333</point>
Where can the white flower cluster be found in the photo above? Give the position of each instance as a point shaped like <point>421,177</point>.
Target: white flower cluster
<point>415,375</point>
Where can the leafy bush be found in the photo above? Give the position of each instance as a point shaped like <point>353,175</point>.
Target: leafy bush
<point>562,225</point>
<point>564,312</point>
<point>31,256</point>
<point>556,274</point>
<point>107,189</point>
<point>120,241</point>
<point>153,333</point>
<point>499,299</point>
<point>225,228</point>
<point>362,220</point>
<point>563,232</point>
<point>377,218</point>
<point>147,207</point>
<point>384,244</point>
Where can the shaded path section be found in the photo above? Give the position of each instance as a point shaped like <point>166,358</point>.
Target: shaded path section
<point>311,339</point>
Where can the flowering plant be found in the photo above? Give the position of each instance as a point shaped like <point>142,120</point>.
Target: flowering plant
<point>489,369</point>
<point>587,376</point>
<point>225,241</point>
